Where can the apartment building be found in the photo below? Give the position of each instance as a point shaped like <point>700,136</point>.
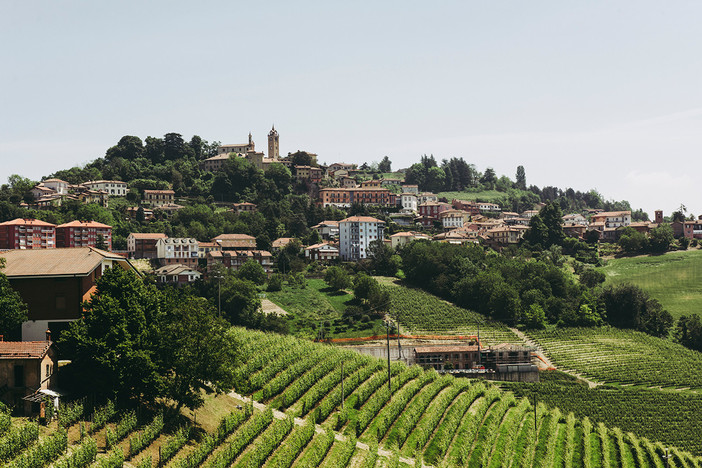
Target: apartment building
<point>27,234</point>
<point>355,235</point>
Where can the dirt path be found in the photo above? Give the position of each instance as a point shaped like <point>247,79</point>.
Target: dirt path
<point>545,362</point>
<point>269,307</point>
<point>319,430</point>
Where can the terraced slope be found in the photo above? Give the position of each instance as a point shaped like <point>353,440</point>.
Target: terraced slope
<point>423,313</point>
<point>622,356</point>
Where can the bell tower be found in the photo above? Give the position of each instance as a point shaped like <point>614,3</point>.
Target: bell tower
<point>273,145</point>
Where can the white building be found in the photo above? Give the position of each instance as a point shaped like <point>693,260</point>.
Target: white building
<point>403,238</point>
<point>611,219</point>
<point>182,250</point>
<point>409,202</point>
<point>425,197</point>
<point>491,207</point>
<point>323,252</point>
<point>57,185</point>
<point>355,235</point>
<point>115,188</point>
<point>452,219</point>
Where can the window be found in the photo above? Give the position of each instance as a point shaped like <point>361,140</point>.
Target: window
<point>19,375</point>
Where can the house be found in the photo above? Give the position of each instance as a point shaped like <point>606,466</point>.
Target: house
<point>507,235</point>
<point>57,185</point>
<point>100,197</point>
<point>168,208</point>
<point>308,173</point>
<point>41,191</point>
<point>463,235</point>
<point>403,238</point>
<point>235,242</point>
<point>133,210</point>
<point>403,219</point>
<point>344,197</point>
<point>689,229</point>
<point>449,357</point>
<point>409,202</point>
<point>115,188</point>
<point>371,183</point>
<point>347,182</point>
<point>237,148</point>
<point>391,182</point>
<point>355,235</point>
<point>340,166</point>
<point>427,197</point>
<point>178,274</point>
<point>451,219</point>
<point>411,189</point>
<point>468,206</point>
<point>280,243</point>
<point>327,229</point>
<point>143,244</point>
<point>432,209</point>
<point>83,234</point>
<point>215,163</point>
<point>488,207</point>
<point>27,233</point>
<point>26,368</point>
<point>64,277</point>
<point>610,219</point>
<point>323,252</point>
<point>204,247</point>
<point>244,207</point>
<point>574,219</point>
<point>234,259</point>
<point>177,250</point>
<point>156,198</point>
<point>530,213</point>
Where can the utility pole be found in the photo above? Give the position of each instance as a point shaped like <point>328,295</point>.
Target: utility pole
<point>666,457</point>
<point>480,359</point>
<point>535,428</point>
<point>399,346</point>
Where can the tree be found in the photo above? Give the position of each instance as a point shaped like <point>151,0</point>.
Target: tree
<point>113,348</point>
<point>364,285</point>
<point>385,165</point>
<point>632,241</point>
<point>383,258</point>
<point>275,283</point>
<point>301,158</point>
<point>100,242</point>
<point>253,271</point>
<point>337,278</point>
<point>521,178</point>
<point>688,331</point>
<point>661,238</point>
<point>194,353</point>
<point>13,311</point>
<point>489,178</point>
<point>535,317</point>
<point>591,278</point>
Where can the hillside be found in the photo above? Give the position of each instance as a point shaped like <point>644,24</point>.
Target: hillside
<point>437,419</point>
<point>674,279</point>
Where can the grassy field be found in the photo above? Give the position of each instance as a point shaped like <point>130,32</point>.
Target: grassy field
<point>622,356</point>
<point>675,279</point>
<point>316,306</point>
<point>670,417</point>
<point>489,196</point>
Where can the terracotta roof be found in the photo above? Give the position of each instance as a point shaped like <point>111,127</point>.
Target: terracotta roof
<point>87,224</point>
<point>24,349</point>
<point>232,244</point>
<point>148,235</point>
<point>233,237</point>
<point>207,244</point>
<point>319,246</point>
<point>174,269</point>
<point>361,219</point>
<point>76,261</point>
<point>327,223</point>
<point>26,222</point>
<point>611,213</point>
<point>103,182</point>
<point>55,180</point>
<point>171,192</point>
<point>282,242</point>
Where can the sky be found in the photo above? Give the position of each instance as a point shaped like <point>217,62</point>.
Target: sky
<point>589,95</point>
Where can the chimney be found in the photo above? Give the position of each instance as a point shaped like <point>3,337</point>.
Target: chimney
<point>48,335</point>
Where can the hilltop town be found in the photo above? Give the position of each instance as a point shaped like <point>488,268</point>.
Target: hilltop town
<point>162,244</point>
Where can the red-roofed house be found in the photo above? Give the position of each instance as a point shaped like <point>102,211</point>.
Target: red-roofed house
<point>27,234</point>
<point>25,368</point>
<point>323,252</point>
<point>83,234</point>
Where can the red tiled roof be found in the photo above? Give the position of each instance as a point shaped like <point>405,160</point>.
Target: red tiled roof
<point>90,224</point>
<point>26,222</point>
<point>148,235</point>
<point>361,219</point>
<point>24,349</point>
<point>233,237</point>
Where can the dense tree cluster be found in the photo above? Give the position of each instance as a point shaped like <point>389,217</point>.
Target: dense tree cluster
<point>13,311</point>
<point>658,240</point>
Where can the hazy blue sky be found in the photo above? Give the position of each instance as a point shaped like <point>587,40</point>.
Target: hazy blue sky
<point>604,95</point>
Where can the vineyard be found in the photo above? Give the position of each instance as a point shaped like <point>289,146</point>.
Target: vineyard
<point>424,313</point>
<point>622,356</point>
<point>671,417</point>
<point>308,411</point>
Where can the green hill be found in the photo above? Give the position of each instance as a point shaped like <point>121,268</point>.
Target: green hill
<point>674,279</point>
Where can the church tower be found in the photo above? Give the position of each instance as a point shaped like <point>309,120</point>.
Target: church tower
<point>273,146</point>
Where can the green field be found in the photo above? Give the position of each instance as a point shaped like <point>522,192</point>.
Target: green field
<point>488,196</point>
<point>622,356</point>
<point>674,279</point>
<point>669,417</point>
<point>316,306</point>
